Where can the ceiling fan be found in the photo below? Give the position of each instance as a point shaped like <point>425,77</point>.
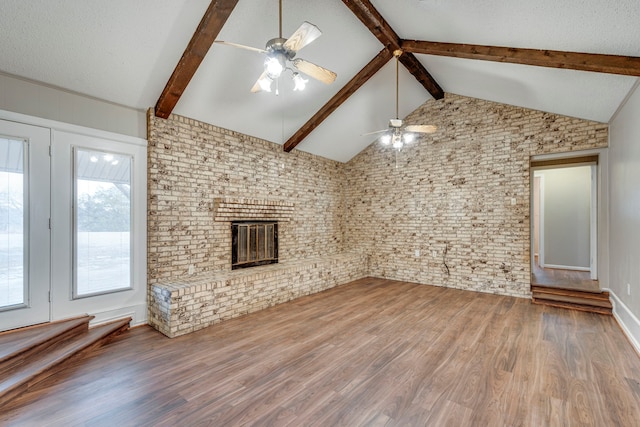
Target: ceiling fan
<point>397,134</point>
<point>280,56</point>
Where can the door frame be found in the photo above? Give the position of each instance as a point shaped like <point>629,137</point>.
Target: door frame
<point>540,234</point>
<point>593,262</point>
<point>599,228</point>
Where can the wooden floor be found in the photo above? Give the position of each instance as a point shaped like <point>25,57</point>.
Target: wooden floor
<point>563,279</point>
<point>373,352</point>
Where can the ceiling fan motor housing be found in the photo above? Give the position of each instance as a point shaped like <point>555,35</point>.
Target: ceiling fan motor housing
<point>277,46</point>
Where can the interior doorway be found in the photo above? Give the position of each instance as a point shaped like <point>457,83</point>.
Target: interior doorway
<point>564,223</point>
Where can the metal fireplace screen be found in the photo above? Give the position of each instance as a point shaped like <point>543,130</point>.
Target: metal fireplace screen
<point>253,243</point>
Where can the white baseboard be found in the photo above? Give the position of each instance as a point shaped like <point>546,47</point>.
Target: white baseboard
<point>138,314</point>
<point>566,267</point>
<point>628,321</point>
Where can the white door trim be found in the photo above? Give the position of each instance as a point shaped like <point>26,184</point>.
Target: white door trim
<point>593,265</point>
<point>541,230</point>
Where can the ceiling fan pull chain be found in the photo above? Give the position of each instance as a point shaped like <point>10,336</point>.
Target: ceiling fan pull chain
<point>397,86</point>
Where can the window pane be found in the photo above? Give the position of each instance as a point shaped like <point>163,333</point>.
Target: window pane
<point>12,256</point>
<point>102,222</point>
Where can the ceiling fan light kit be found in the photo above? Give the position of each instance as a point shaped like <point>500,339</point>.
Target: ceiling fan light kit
<point>274,65</point>
<point>299,82</point>
<point>280,53</point>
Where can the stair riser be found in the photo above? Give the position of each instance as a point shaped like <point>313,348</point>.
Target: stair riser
<point>573,300</point>
<point>583,297</point>
<point>589,309</point>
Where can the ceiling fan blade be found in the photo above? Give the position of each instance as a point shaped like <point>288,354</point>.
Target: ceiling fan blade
<point>315,71</point>
<point>256,87</point>
<point>305,34</point>
<point>421,128</point>
<point>241,46</point>
<point>373,133</point>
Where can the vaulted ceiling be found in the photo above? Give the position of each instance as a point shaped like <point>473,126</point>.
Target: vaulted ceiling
<point>126,51</point>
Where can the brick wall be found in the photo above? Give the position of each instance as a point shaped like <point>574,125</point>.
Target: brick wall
<point>452,192</point>
<point>451,197</point>
<point>190,164</point>
<point>200,177</point>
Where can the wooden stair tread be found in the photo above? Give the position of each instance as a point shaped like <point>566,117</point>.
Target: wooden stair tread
<point>602,295</point>
<point>44,365</point>
<point>18,341</point>
<point>573,306</point>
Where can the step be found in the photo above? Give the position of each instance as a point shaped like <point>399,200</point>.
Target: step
<point>573,306</point>
<point>43,365</point>
<point>575,300</point>
<point>570,296</point>
<point>19,344</point>
<point>599,296</point>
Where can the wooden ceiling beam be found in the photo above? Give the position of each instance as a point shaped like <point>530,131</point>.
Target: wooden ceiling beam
<point>354,84</point>
<point>612,64</point>
<point>380,28</point>
<point>212,22</point>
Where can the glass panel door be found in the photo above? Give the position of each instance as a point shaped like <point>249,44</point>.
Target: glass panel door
<point>13,276</point>
<point>24,225</point>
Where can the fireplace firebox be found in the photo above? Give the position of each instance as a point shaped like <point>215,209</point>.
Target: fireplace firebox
<point>253,243</point>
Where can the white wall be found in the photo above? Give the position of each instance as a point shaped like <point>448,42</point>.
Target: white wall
<point>624,211</point>
<point>38,100</point>
<point>567,200</point>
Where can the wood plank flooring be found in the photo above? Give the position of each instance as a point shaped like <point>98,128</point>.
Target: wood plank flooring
<point>370,353</point>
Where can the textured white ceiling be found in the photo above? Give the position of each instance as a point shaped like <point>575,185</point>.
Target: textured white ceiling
<point>124,51</point>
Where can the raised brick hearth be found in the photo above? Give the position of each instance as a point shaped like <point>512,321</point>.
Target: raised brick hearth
<point>185,305</point>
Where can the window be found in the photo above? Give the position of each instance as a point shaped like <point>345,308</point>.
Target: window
<point>13,257</point>
<point>102,225</point>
